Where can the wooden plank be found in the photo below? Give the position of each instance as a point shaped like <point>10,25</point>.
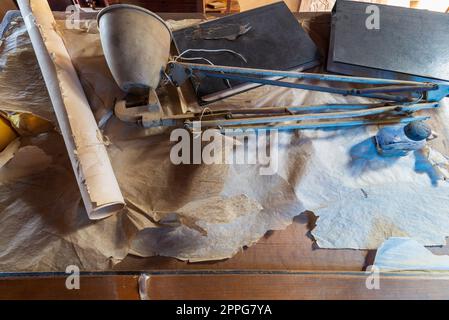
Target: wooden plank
<point>54,288</point>
<point>296,287</point>
<point>256,286</point>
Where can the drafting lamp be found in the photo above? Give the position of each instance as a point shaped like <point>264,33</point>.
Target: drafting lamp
<point>136,44</point>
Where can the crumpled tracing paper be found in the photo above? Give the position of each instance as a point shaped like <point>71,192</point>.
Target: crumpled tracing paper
<point>204,212</point>
<point>362,198</point>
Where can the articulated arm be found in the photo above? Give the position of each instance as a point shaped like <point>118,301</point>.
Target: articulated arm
<point>384,89</point>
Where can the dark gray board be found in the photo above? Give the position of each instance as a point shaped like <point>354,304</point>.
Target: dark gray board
<point>276,41</point>
<point>411,43</point>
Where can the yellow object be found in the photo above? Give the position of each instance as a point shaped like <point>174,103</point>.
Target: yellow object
<point>7,133</point>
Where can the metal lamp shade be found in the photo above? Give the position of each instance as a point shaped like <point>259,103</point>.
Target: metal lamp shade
<point>136,44</point>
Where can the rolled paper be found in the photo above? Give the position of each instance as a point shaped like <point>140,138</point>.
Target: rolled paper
<point>92,167</point>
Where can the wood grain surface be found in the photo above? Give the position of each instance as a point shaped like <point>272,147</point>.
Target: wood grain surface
<point>284,264</point>
<point>257,286</point>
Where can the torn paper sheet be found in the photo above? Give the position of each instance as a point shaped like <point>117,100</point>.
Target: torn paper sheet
<point>206,212</point>
<point>99,188</point>
<point>362,199</point>
<point>43,223</point>
<point>162,198</point>
<point>405,254</point>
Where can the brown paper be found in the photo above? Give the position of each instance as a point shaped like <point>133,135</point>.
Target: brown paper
<point>204,212</point>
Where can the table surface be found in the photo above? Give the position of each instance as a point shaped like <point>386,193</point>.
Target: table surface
<point>283,264</point>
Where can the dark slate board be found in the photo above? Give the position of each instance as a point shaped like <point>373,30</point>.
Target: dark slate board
<point>410,44</point>
<point>276,41</point>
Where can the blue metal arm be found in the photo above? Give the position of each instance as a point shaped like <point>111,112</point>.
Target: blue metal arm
<point>428,91</point>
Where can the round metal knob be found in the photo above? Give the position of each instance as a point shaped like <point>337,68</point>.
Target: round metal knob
<point>417,131</point>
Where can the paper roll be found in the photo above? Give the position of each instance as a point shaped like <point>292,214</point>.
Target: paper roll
<point>96,180</point>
